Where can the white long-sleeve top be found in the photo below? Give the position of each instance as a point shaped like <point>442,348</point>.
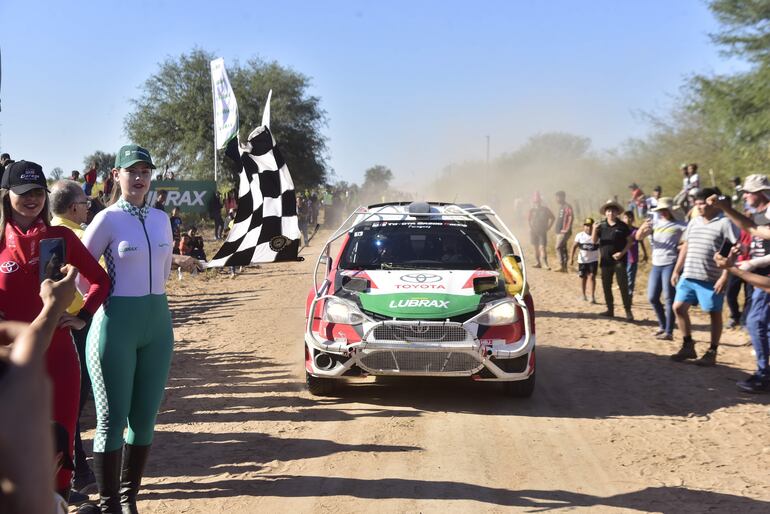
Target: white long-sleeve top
<point>137,245</point>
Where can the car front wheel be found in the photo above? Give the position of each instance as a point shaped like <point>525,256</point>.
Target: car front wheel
<point>520,388</point>
<point>320,386</point>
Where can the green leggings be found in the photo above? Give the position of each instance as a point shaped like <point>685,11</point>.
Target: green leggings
<point>129,354</point>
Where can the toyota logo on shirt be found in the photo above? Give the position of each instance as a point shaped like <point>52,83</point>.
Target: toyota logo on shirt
<point>9,267</point>
<point>420,278</point>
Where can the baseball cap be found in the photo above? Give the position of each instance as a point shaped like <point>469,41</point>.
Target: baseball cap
<point>129,155</point>
<point>756,183</point>
<point>23,176</point>
<point>588,221</point>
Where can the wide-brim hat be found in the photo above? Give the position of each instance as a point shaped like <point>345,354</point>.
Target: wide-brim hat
<point>756,183</point>
<point>611,204</point>
<point>664,203</point>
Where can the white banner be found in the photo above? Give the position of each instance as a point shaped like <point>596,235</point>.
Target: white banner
<point>225,106</point>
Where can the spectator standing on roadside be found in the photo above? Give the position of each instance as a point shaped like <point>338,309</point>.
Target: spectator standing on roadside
<point>75,175</point>
<point>160,200</point>
<point>108,185</point>
<point>5,160</point>
<point>303,217</point>
<point>215,213</point>
<point>563,228</point>
<point>176,227</point>
<point>588,258</point>
<point>69,205</point>
<point>231,201</point>
<point>697,278</point>
<point>736,283</point>
<point>24,222</point>
<point>540,220</point>
<point>665,233</point>
<point>131,339</point>
<point>652,201</point>
<point>693,179</point>
<point>90,179</point>
<point>614,239</point>
<point>756,191</point>
<point>633,253</point>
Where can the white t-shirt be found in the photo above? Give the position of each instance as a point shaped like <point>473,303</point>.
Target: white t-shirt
<point>665,241</point>
<point>589,251</point>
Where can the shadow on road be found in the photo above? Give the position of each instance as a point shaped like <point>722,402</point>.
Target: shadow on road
<point>667,500</point>
<point>574,383</point>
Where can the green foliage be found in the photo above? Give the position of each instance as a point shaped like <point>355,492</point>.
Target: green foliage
<point>377,179</point>
<point>745,30</point>
<point>104,162</point>
<point>173,117</point>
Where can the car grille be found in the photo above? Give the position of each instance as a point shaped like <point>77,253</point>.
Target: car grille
<point>420,332</point>
<point>419,362</point>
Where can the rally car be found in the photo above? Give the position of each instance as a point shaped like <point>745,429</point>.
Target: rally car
<point>421,289</point>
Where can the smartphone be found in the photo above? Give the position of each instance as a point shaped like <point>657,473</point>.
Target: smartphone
<point>727,245</point>
<point>52,252</point>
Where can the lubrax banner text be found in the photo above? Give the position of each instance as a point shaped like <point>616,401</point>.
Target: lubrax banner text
<point>188,195</point>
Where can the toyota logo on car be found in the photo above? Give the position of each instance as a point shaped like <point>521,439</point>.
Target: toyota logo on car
<point>421,278</point>
<point>420,281</point>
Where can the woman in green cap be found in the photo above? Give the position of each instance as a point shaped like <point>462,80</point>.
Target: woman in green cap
<point>131,340</point>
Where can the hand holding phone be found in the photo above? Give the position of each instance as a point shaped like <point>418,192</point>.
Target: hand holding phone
<point>724,250</point>
<point>52,258</point>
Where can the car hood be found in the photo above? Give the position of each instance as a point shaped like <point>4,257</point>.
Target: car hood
<point>421,294</point>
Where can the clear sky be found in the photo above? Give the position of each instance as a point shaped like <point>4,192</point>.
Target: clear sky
<point>413,85</point>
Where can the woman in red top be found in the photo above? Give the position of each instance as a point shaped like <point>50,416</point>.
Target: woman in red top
<point>24,221</point>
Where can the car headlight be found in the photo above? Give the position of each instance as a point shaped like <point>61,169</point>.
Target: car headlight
<point>337,310</point>
<point>503,313</point>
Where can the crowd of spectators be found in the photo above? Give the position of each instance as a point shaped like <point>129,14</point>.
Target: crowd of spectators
<point>705,247</point>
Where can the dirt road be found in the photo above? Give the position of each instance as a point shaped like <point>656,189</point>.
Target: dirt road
<point>614,425</point>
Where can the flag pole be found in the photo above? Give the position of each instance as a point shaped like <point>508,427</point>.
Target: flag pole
<point>214,105</point>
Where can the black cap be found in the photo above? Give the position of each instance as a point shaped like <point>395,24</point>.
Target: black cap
<point>23,176</point>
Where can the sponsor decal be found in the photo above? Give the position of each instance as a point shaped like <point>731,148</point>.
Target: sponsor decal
<point>125,247</point>
<point>420,286</point>
<point>9,267</point>
<point>187,195</point>
<point>278,243</point>
<point>421,278</point>
<point>414,302</point>
<point>429,305</point>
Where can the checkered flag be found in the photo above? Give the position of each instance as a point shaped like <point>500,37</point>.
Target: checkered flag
<point>265,227</point>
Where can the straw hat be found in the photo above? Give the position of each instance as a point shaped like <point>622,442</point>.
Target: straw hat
<point>611,203</point>
<point>664,203</point>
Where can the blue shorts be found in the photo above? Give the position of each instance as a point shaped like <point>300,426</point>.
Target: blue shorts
<point>699,292</point>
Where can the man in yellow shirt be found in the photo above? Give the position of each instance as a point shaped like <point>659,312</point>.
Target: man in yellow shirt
<point>69,206</point>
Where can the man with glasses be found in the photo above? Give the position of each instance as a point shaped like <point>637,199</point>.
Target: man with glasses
<point>69,205</point>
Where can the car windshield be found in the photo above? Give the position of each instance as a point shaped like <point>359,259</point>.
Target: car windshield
<point>418,245</point>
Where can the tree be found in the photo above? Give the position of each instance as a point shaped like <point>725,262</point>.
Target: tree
<point>57,173</point>
<point>173,117</point>
<point>104,162</point>
<point>377,178</point>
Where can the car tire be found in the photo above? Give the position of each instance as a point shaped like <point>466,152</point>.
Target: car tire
<point>320,386</point>
<point>520,388</point>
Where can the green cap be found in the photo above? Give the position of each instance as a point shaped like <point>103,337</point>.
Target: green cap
<point>129,155</point>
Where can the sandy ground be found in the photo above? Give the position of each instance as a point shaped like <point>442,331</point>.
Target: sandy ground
<point>614,425</point>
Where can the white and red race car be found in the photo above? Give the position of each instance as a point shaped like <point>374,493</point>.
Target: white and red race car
<point>421,289</point>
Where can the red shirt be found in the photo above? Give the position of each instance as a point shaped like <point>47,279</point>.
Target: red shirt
<point>19,270</point>
<point>90,176</point>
